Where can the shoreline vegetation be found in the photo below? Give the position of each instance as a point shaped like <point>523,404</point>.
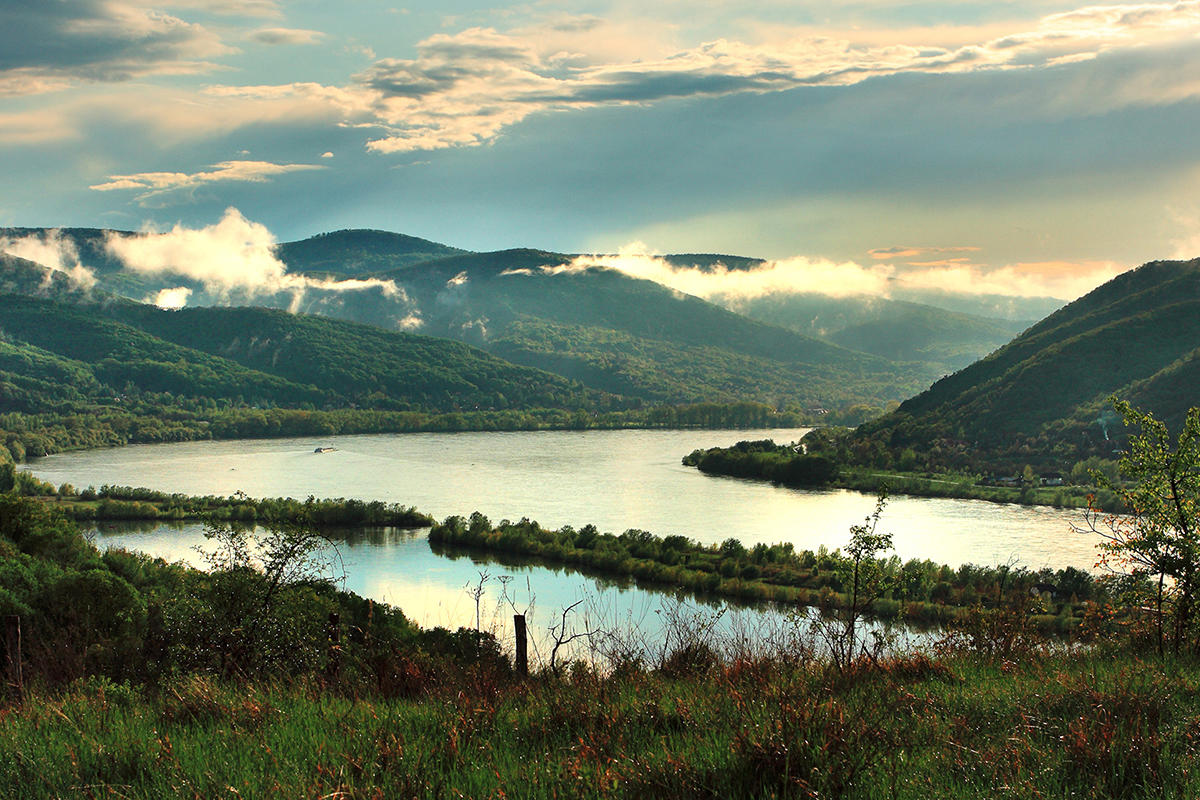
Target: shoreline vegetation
<point>923,592</point>
<point>24,436</point>
<point>801,466</point>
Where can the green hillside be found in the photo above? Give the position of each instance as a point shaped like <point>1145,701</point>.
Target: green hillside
<point>1043,398</point>
<point>613,332</point>
<point>350,252</point>
<point>621,334</point>
<point>255,355</point>
<point>69,338</point>
<point>360,364</point>
<point>893,329</point>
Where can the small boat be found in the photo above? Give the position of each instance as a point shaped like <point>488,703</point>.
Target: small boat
<point>324,449</point>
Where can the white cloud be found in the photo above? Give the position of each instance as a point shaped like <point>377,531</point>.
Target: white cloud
<point>286,36</point>
<point>806,275</point>
<point>792,275</point>
<point>156,183</point>
<point>170,298</point>
<point>235,8</point>
<point>49,46</point>
<point>1186,245</point>
<point>1065,280</point>
<point>234,254</point>
<point>466,88</point>
<point>51,250</point>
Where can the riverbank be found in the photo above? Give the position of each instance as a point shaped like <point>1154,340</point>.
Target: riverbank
<point>786,466</point>
<point>144,679</point>
<point>34,435</point>
<point>918,591</point>
<point>126,503</point>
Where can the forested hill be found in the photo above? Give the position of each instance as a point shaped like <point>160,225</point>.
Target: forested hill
<point>612,332</point>
<point>635,337</point>
<point>69,344</point>
<point>351,252</point>
<point>1043,398</point>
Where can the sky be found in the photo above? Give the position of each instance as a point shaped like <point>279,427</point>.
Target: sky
<point>1031,147</point>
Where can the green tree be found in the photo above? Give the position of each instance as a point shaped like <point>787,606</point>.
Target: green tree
<point>265,603</point>
<point>1159,539</point>
<point>865,578</point>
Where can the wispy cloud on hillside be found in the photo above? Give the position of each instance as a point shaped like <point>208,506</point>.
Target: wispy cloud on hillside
<point>50,249</point>
<point>232,255</point>
<point>801,275</point>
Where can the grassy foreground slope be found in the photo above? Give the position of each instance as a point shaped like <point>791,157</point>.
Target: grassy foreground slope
<point>150,680</point>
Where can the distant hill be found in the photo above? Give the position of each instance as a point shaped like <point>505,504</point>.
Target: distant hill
<point>62,343</point>
<point>893,329</point>
<point>636,337</point>
<point>352,252</point>
<point>1042,398</point>
<point>613,332</point>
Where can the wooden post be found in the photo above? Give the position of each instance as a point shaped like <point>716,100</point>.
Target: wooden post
<point>522,646</point>
<point>333,666</point>
<point>12,657</point>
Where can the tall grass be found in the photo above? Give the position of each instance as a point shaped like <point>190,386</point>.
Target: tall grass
<point>958,725</point>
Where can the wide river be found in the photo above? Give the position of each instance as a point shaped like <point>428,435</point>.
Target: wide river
<point>613,479</point>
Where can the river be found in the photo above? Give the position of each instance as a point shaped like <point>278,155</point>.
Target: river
<point>613,479</point>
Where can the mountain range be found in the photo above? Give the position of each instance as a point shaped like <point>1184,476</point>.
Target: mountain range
<point>612,332</point>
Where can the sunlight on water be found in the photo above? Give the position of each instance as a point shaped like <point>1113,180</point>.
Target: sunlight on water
<point>613,479</point>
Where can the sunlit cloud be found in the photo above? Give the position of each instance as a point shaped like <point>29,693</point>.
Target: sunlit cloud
<point>1186,245</point>
<point>466,88</point>
<point>234,8</point>
<point>170,298</point>
<point>231,255</point>
<point>906,251</point>
<point>48,46</point>
<point>53,250</point>
<point>1065,280</point>
<point>806,275</point>
<point>156,183</point>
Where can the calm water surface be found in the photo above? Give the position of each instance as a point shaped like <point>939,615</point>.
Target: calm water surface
<point>397,567</point>
<point>613,479</point>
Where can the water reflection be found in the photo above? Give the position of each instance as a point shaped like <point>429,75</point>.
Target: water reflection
<point>615,480</point>
<point>455,587</point>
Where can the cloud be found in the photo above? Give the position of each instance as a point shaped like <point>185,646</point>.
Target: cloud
<point>1065,280</point>
<point>49,46</point>
<point>1186,245</point>
<point>908,251</point>
<point>170,298</point>
<point>233,255</point>
<point>286,36</point>
<point>233,8</point>
<point>792,275</point>
<point>157,183</point>
<point>51,250</point>
<point>466,88</point>
<point>806,275</point>
<point>35,127</point>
